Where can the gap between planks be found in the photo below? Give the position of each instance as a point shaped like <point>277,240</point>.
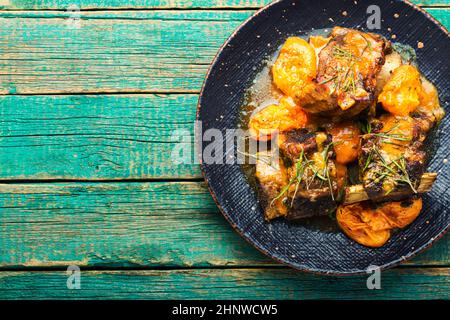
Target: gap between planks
<point>106,93</point>
<point>269,266</point>
<point>100,180</point>
<point>159,9</point>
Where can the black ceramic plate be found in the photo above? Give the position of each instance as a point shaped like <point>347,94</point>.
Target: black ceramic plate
<point>232,72</point>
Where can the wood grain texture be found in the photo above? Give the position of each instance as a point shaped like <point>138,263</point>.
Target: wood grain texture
<point>127,224</point>
<point>114,51</point>
<point>152,4</point>
<point>97,137</point>
<point>110,51</point>
<point>218,284</point>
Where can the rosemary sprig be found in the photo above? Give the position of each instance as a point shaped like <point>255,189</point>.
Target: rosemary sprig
<point>326,154</point>
<point>405,176</point>
<point>263,158</point>
<point>368,45</point>
<point>305,172</point>
<point>396,170</point>
<point>368,160</point>
<point>393,136</point>
<point>365,127</point>
<point>328,80</point>
<point>338,51</point>
<point>299,167</point>
<point>330,184</point>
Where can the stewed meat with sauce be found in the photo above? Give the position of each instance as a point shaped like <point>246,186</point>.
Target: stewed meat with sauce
<point>321,132</point>
<point>339,80</point>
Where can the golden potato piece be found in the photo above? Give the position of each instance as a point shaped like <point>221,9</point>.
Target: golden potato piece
<point>283,117</point>
<point>295,67</point>
<point>401,94</point>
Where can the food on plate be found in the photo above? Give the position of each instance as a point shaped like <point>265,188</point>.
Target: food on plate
<point>349,136</point>
<point>272,177</point>
<point>345,136</point>
<point>401,94</point>
<point>371,224</point>
<point>295,68</point>
<point>277,117</point>
<point>345,80</point>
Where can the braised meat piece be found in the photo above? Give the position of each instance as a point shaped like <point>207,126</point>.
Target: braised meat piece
<point>272,177</point>
<point>314,175</point>
<point>392,158</point>
<point>293,142</point>
<point>311,203</point>
<point>305,181</point>
<point>347,71</point>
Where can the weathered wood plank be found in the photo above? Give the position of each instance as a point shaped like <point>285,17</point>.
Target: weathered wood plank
<point>127,225</point>
<point>130,4</point>
<point>110,52</point>
<point>96,137</point>
<point>224,284</point>
<point>114,51</point>
<point>152,4</point>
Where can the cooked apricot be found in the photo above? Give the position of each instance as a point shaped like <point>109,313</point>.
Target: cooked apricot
<point>318,42</point>
<point>371,226</point>
<point>349,218</point>
<point>295,67</point>
<point>282,117</point>
<point>345,141</point>
<point>401,94</point>
<point>401,214</point>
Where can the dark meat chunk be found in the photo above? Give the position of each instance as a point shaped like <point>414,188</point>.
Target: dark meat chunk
<point>347,73</point>
<point>292,143</point>
<point>393,156</point>
<point>312,203</point>
<point>272,178</point>
<point>314,177</point>
<point>309,182</point>
<point>392,159</point>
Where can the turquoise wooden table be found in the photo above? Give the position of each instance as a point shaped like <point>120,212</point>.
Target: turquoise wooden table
<point>88,104</point>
